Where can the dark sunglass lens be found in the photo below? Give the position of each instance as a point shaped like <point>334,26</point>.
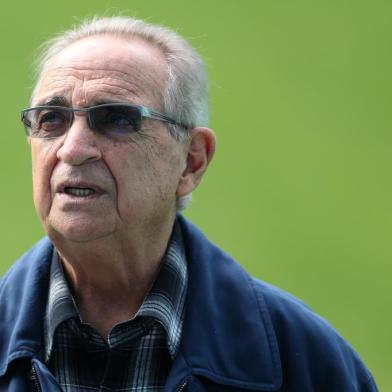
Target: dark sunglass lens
<point>47,122</point>
<point>115,119</point>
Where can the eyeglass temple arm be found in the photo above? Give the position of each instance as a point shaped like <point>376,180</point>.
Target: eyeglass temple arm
<point>162,117</point>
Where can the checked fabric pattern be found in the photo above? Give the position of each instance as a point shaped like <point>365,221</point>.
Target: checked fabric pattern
<point>138,353</point>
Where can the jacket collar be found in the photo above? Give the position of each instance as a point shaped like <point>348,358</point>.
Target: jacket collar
<point>227,335</point>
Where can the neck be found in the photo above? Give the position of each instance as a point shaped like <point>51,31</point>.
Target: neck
<point>110,277</point>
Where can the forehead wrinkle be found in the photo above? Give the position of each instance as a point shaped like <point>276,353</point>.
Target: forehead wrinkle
<point>133,81</point>
<point>107,91</point>
<point>123,93</point>
<point>117,82</point>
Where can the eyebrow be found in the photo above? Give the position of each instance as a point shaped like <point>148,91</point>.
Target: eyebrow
<point>55,101</point>
<point>97,102</point>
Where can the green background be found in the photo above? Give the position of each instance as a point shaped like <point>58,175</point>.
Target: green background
<point>300,189</point>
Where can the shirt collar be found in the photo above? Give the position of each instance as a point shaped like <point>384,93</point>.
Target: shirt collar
<point>165,302</point>
<point>60,305</point>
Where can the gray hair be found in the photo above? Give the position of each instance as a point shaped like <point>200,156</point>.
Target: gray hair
<point>185,97</point>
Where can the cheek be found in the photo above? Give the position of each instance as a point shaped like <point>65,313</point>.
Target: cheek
<point>43,160</point>
<point>147,175</point>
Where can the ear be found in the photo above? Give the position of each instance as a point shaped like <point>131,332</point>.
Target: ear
<point>201,148</point>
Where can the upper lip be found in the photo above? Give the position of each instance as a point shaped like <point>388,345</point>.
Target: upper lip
<point>73,183</point>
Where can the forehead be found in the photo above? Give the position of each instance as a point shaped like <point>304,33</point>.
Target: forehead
<point>104,68</point>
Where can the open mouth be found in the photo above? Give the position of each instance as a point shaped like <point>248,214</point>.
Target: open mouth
<point>79,192</point>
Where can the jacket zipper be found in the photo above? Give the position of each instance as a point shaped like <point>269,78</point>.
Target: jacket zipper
<point>183,386</point>
<point>34,378</point>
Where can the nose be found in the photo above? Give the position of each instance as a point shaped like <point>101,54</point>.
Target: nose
<point>79,145</point>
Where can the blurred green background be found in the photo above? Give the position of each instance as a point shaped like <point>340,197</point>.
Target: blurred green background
<point>300,189</point>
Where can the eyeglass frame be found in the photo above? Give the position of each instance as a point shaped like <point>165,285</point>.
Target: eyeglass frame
<point>144,111</point>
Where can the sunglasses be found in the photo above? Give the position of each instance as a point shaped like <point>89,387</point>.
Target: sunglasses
<point>110,119</point>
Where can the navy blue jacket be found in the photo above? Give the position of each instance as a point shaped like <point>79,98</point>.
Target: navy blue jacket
<point>239,334</point>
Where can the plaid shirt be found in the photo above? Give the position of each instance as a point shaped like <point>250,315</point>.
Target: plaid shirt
<point>138,353</point>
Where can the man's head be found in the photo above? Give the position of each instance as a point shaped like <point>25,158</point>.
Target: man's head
<point>129,180</point>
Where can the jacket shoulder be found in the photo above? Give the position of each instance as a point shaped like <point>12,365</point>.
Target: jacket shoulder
<point>35,259</point>
<point>23,295</point>
<point>310,345</point>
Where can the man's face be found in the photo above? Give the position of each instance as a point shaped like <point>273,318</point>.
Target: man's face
<point>135,178</point>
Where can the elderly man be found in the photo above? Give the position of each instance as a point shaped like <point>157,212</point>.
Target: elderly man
<point>125,294</point>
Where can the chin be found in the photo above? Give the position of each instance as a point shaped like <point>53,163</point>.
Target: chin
<point>78,231</point>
